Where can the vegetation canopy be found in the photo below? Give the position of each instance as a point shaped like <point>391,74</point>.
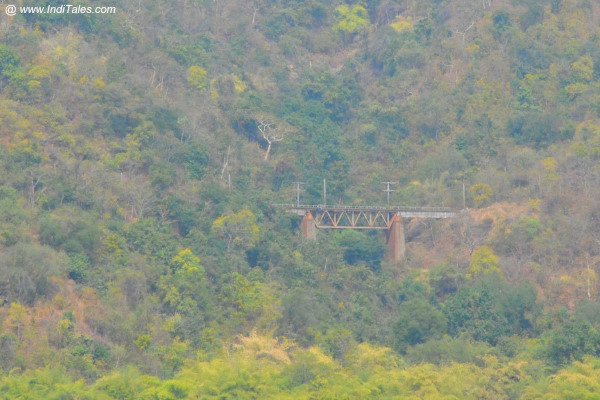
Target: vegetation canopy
<point>142,153</point>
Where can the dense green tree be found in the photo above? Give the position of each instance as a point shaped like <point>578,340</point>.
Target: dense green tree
<point>572,341</point>
<point>418,321</point>
<point>474,312</point>
<point>27,270</point>
<point>360,248</point>
<point>538,129</point>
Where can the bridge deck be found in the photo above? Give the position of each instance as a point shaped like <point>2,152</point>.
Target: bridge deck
<point>405,212</point>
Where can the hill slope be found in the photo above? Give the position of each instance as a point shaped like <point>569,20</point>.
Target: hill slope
<point>136,226</point>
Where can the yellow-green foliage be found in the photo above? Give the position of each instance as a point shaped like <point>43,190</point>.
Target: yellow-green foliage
<point>583,69</point>
<point>580,381</point>
<point>126,384</point>
<point>36,75</point>
<point>239,229</point>
<point>99,84</point>
<point>238,85</point>
<point>351,19</point>
<point>587,142</point>
<point>187,261</point>
<point>480,193</point>
<point>260,367</point>
<point>184,288</point>
<point>47,384</point>
<point>196,77</point>
<point>143,342</point>
<point>484,262</point>
<point>253,301</point>
<point>402,24</point>
<point>16,319</point>
<point>549,164</point>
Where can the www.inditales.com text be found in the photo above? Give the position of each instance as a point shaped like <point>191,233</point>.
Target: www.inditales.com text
<point>61,9</point>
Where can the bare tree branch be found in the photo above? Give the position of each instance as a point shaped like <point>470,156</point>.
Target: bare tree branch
<point>270,134</point>
<point>464,32</point>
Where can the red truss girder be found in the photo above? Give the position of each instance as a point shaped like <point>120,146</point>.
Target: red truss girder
<point>344,219</point>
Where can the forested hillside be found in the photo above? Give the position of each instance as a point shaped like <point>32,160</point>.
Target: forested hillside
<point>141,152</point>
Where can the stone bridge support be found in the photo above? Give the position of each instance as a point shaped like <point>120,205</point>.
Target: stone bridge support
<point>308,226</point>
<point>388,219</point>
<point>396,246</point>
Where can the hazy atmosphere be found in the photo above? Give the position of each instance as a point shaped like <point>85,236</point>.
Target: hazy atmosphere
<point>287,199</point>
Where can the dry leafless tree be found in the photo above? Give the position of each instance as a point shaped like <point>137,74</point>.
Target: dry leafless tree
<point>270,134</point>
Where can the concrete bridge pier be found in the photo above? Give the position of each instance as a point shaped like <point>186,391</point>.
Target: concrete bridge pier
<point>396,246</point>
<point>308,226</point>
<point>386,218</point>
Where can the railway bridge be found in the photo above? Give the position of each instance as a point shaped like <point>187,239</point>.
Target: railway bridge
<point>387,218</point>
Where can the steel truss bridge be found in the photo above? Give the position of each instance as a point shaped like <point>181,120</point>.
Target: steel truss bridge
<point>388,219</point>
<point>364,217</point>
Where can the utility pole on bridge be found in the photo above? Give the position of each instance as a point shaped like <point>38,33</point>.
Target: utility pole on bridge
<point>387,190</point>
<point>386,218</point>
<point>298,190</point>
